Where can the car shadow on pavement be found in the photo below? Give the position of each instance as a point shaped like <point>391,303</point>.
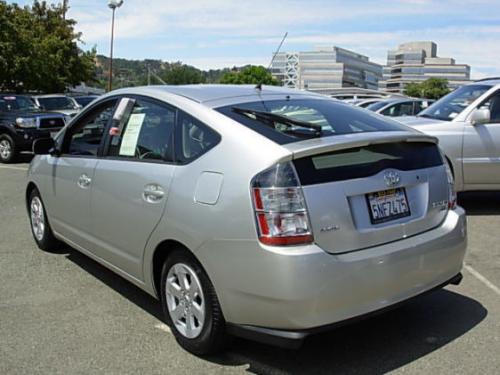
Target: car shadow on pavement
<point>480,202</point>
<point>375,345</point>
<point>117,283</point>
<point>24,158</point>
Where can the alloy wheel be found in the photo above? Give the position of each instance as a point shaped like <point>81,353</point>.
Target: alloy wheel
<point>5,149</point>
<point>185,300</point>
<point>37,218</point>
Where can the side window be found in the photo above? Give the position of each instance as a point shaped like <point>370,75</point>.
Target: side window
<point>196,138</point>
<point>400,109</point>
<point>85,136</point>
<point>147,133</point>
<point>493,104</point>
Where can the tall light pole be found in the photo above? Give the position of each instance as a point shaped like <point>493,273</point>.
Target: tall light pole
<point>113,4</point>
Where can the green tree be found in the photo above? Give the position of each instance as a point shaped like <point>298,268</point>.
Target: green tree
<point>181,74</point>
<point>432,88</point>
<point>249,75</point>
<point>39,51</point>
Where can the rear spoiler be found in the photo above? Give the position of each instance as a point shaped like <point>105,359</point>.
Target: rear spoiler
<point>346,141</point>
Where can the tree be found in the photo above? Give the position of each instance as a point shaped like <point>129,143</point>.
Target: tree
<point>249,75</point>
<point>432,88</point>
<point>39,51</point>
<point>181,74</point>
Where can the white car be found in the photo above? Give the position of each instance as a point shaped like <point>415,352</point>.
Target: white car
<point>467,124</point>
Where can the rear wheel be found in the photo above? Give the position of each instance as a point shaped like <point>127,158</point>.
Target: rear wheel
<point>8,151</point>
<point>40,227</point>
<point>190,305</point>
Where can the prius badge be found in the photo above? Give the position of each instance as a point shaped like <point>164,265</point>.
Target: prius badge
<point>392,178</point>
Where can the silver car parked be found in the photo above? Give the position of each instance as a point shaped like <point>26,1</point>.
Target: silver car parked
<point>266,213</point>
<point>467,123</point>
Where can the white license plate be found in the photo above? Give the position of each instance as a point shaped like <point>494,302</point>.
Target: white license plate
<point>387,205</point>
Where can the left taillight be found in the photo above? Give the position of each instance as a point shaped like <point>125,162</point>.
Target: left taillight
<point>279,207</point>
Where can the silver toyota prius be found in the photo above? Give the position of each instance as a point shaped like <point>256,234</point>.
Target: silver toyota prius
<point>261,212</point>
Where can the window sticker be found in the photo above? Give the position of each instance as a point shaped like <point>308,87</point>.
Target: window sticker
<point>131,136</point>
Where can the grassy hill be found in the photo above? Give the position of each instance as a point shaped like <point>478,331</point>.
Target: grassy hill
<point>138,72</point>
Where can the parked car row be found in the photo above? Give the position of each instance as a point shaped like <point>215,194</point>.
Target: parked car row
<point>25,118</point>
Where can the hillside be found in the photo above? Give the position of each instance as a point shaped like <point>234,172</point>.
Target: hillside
<point>138,72</point>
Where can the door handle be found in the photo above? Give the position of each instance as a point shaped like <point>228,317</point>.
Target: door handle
<point>84,181</point>
<point>153,193</point>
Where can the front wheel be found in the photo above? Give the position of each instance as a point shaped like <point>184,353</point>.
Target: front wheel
<point>190,305</point>
<point>40,227</point>
<point>8,150</point>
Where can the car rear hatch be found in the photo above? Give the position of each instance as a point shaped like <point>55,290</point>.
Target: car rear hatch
<point>367,189</point>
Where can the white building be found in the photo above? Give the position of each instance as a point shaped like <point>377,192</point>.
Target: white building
<point>326,68</point>
<point>417,62</point>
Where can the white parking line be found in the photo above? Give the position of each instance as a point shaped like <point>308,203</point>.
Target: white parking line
<point>16,168</point>
<point>163,327</point>
<point>483,279</point>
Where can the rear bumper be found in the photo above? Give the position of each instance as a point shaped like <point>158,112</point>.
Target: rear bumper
<point>299,289</point>
<point>294,339</point>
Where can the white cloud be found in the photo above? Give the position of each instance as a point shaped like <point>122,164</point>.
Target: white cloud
<point>222,28</point>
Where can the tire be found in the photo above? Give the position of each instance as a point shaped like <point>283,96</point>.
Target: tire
<point>209,335</point>
<point>8,149</point>
<point>39,223</point>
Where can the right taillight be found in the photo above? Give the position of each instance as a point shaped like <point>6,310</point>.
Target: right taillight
<point>452,195</point>
<point>280,209</point>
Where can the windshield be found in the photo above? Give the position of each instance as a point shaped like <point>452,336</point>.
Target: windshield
<point>292,120</point>
<point>450,106</point>
<point>84,100</point>
<point>17,103</point>
<point>55,103</point>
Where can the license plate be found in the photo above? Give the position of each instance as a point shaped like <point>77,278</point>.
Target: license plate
<point>53,134</point>
<point>387,205</point>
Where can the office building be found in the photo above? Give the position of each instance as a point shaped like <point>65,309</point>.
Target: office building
<point>417,62</point>
<point>326,68</point>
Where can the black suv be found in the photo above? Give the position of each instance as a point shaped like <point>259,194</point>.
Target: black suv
<point>21,122</point>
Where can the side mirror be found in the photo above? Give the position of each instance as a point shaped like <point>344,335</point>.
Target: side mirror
<point>480,116</point>
<point>44,146</point>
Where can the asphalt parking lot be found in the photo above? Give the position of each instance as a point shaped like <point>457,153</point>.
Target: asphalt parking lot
<point>65,314</point>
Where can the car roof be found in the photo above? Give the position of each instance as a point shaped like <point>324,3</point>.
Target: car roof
<point>216,92</point>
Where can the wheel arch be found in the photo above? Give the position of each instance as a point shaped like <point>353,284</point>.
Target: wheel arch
<point>160,254</point>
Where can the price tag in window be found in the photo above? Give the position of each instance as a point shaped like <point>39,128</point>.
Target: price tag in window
<point>131,136</point>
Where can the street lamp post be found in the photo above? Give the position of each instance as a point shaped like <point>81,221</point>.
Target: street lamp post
<point>113,4</point>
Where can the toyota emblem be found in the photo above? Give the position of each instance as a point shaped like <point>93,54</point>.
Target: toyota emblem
<point>392,178</point>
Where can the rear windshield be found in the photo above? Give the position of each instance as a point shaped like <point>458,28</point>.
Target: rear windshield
<point>366,161</point>
<point>310,118</point>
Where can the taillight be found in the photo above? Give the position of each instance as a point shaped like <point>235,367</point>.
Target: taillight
<point>280,208</point>
<point>452,195</point>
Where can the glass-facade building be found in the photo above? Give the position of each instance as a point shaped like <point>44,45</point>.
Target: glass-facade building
<point>417,62</point>
<point>326,68</point>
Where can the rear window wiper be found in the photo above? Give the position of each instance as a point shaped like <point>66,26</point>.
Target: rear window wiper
<point>273,118</point>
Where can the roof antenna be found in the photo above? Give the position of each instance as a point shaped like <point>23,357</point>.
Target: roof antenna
<point>259,85</point>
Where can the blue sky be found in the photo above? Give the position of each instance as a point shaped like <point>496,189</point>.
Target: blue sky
<point>220,33</point>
